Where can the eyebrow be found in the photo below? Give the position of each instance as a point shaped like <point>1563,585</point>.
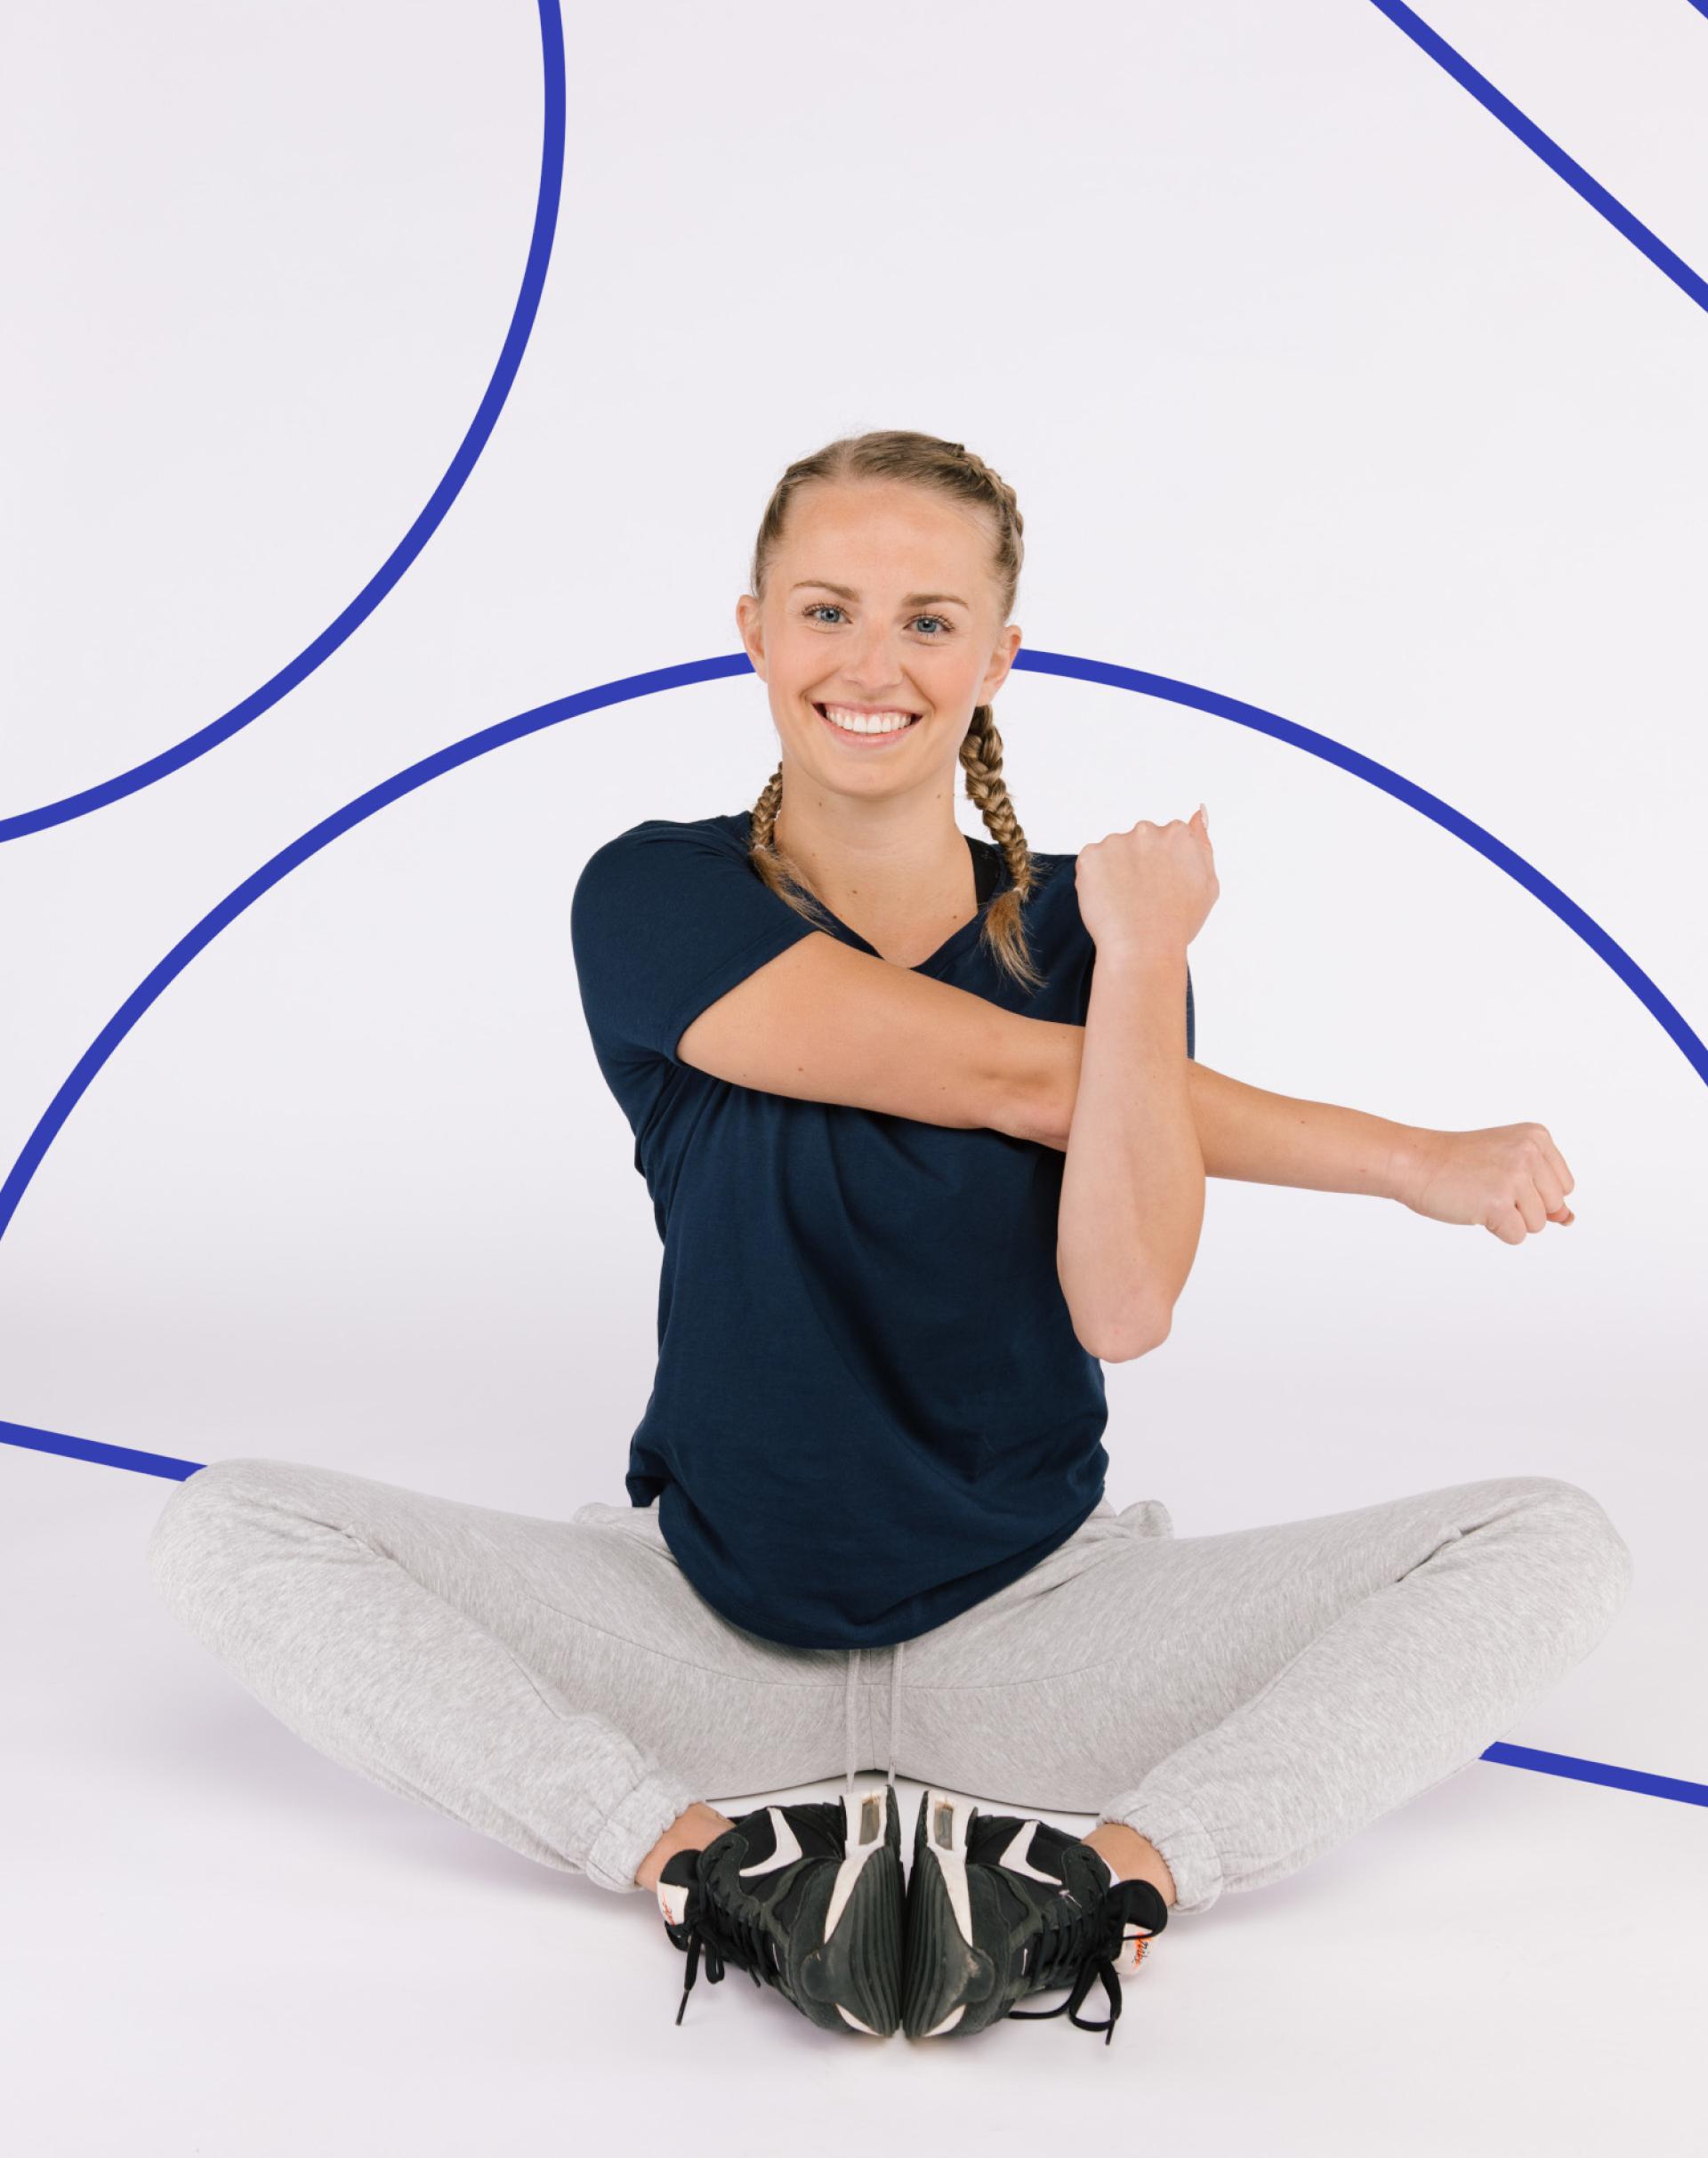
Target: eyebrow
<point>913,599</point>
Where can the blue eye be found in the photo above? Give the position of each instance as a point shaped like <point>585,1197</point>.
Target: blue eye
<point>829,607</point>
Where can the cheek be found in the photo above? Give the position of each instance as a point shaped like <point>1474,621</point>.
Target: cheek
<point>792,664</point>
<point>954,680</point>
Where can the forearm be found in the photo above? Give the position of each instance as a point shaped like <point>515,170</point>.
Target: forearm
<point>1131,1202</point>
<point>1262,1138</point>
<point>1245,1132</point>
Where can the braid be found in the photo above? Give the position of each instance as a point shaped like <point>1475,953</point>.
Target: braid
<point>762,818</point>
<point>981,758</point>
<point>778,870</point>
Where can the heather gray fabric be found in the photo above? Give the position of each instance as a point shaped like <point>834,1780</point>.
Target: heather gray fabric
<point>1245,1700</point>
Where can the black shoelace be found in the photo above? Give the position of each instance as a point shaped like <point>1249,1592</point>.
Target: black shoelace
<point>1085,1948</point>
<point>725,1938</point>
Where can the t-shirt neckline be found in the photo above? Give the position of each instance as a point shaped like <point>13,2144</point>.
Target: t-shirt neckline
<point>985,883</point>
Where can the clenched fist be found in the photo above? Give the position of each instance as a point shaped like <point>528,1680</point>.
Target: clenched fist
<point>1147,890</point>
<point>1507,1179</point>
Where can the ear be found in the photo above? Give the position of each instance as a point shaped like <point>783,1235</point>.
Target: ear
<point>1001,660</point>
<point>753,636</point>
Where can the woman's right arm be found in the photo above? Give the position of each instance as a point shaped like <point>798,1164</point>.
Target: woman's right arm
<point>823,1022</point>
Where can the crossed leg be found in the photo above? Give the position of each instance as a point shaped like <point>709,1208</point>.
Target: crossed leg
<point>556,1685</point>
<point>1247,1701</point>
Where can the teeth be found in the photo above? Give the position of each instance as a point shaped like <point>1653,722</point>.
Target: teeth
<point>867,722</point>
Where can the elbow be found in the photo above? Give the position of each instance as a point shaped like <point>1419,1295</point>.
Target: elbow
<point>1121,1342</point>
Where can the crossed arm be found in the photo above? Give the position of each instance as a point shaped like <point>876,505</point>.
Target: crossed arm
<point>1141,1124</point>
<point>1245,1132</point>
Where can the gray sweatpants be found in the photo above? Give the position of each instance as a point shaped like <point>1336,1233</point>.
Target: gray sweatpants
<point>1247,1700</point>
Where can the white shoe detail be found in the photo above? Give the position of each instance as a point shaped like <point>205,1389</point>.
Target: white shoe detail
<point>949,2022</point>
<point>944,1817</point>
<point>788,1846</point>
<point>854,2020</point>
<point>1130,1953</point>
<point>672,1901</point>
<point>1016,1860</point>
<point>857,1810</point>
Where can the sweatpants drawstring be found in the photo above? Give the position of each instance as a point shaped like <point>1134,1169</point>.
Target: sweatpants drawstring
<point>851,1671</point>
<point>850,1699</point>
<point>895,1706</point>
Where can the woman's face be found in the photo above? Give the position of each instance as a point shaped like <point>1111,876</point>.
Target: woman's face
<point>880,605</point>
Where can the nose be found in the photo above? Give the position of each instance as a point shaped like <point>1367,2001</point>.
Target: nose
<point>870,667</point>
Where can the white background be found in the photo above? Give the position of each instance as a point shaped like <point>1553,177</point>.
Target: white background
<point>1318,390</point>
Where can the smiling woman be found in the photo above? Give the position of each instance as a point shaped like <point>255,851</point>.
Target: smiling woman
<point>827,1049</point>
<point>838,1026</point>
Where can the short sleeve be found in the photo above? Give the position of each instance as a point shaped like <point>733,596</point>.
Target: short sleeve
<point>665,919</point>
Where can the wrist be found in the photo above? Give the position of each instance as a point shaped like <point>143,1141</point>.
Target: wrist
<point>1406,1163</point>
<point>1143,958</point>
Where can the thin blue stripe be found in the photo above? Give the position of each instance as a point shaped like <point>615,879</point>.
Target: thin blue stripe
<point>552,157</point>
<point>629,687</point>
<point>311,656</point>
<point>164,1465</point>
<point>1545,148</point>
<point>633,685</point>
<point>1401,789</point>
<point>1598,1772</point>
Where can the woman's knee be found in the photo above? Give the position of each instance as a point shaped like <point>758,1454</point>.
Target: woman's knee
<point>1598,1561</point>
<point>192,1536</point>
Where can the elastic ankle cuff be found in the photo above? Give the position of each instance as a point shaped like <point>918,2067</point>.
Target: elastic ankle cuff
<point>632,1828</point>
<point>1188,1847</point>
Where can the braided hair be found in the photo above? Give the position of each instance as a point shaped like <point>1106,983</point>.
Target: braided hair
<point>954,470</point>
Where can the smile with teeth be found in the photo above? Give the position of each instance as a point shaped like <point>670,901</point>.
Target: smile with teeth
<point>844,720</point>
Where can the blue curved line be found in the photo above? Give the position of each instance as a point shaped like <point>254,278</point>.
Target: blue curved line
<point>1501,1753</point>
<point>1404,790</point>
<point>311,656</point>
<point>630,686</point>
<point>300,850</point>
<point>634,686</point>
<point>1545,148</point>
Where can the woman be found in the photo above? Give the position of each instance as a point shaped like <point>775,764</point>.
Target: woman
<point>920,1167</point>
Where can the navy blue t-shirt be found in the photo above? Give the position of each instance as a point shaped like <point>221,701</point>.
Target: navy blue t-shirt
<point>870,1410</point>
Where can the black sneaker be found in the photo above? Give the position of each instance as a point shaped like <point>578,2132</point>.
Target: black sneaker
<point>807,1899</point>
<point>999,1907</point>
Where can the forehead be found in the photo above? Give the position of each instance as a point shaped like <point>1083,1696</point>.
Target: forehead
<point>878,522</point>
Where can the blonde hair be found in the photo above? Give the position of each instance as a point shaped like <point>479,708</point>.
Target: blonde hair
<point>954,470</point>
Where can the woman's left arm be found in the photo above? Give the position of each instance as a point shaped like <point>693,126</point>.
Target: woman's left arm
<point>1509,1179</point>
<point>1132,1201</point>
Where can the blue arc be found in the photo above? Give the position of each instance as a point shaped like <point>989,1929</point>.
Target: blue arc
<point>628,686</point>
<point>1401,789</point>
<point>438,503</point>
<point>1422,34</point>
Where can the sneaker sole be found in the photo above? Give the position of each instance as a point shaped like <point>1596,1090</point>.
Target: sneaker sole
<point>857,1970</point>
<point>948,1979</point>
